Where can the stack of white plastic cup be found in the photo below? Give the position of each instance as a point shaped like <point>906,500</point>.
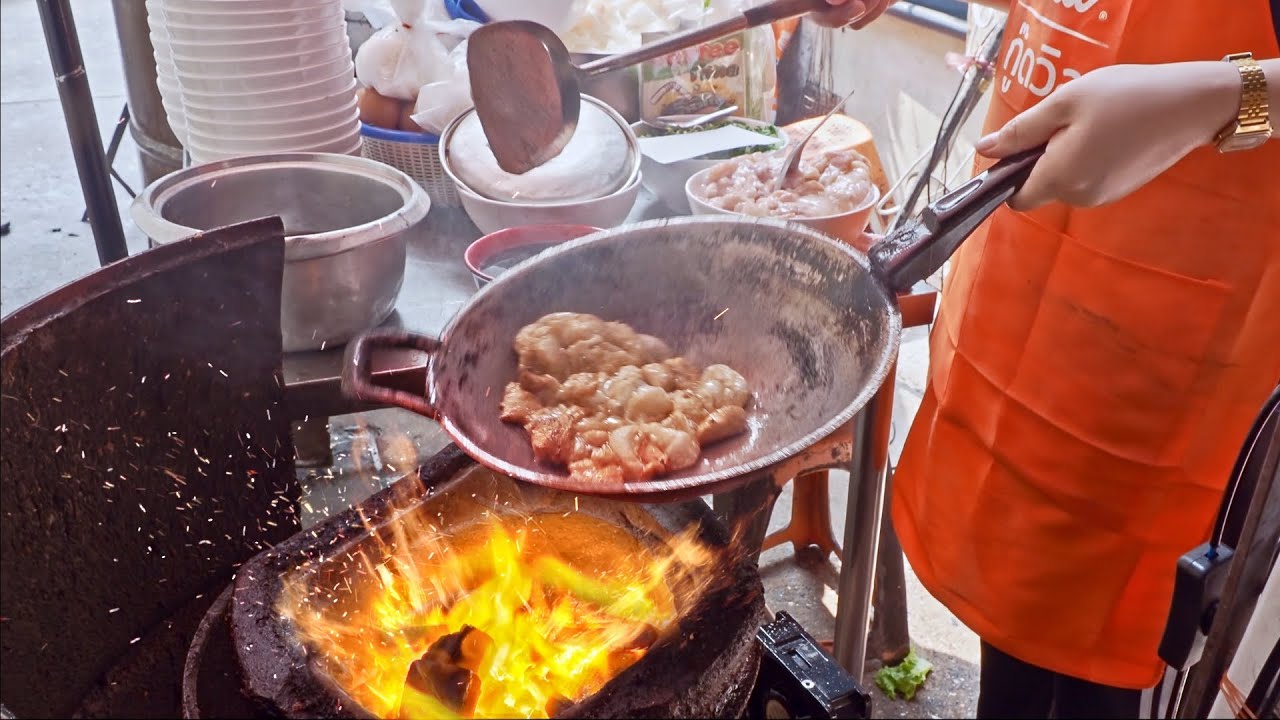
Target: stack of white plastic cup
<point>247,77</point>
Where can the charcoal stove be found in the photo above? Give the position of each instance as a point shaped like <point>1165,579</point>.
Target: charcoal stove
<point>156,381</point>
<point>141,462</point>
<point>703,667</point>
<point>248,660</point>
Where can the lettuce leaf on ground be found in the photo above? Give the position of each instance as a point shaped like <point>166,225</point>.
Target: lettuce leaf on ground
<point>905,678</point>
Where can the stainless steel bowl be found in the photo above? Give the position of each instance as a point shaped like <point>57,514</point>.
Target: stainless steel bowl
<point>619,89</point>
<point>345,218</point>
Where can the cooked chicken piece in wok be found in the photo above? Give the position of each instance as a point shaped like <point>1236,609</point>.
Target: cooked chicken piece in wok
<point>613,405</point>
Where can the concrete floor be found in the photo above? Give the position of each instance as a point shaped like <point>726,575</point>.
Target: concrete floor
<point>48,246</point>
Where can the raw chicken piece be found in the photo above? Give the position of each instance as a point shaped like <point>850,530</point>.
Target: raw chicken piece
<point>722,423</point>
<point>612,405</point>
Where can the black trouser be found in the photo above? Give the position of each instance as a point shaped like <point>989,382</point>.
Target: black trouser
<point>1011,688</point>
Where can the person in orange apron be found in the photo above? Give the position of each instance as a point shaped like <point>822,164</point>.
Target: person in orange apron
<point>1102,345</point>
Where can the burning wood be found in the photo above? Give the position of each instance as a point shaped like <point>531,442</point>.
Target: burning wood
<point>510,615</point>
<point>446,673</point>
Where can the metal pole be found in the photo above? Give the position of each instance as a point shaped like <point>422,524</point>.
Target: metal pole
<point>972,87</point>
<point>861,533</point>
<point>82,126</point>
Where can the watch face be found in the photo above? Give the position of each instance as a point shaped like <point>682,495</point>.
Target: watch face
<point>1243,142</point>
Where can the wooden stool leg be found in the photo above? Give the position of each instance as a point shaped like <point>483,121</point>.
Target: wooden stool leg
<point>810,517</point>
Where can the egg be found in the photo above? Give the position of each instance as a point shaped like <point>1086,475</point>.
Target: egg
<point>406,122</point>
<point>378,110</point>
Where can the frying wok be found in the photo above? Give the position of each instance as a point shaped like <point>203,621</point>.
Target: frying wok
<point>811,323</point>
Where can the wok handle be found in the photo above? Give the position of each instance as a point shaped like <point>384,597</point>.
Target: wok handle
<point>357,376</point>
<point>918,249</point>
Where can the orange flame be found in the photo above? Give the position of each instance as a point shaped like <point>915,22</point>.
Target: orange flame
<point>563,602</point>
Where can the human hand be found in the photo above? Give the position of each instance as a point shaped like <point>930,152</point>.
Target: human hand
<point>852,13</point>
<point>1111,131</point>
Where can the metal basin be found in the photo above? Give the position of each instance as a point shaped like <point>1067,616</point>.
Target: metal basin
<point>345,218</point>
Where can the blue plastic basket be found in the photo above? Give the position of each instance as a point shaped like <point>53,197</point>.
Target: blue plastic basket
<point>416,154</point>
<point>467,10</point>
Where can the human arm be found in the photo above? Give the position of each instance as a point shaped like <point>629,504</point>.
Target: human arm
<point>1112,130</point>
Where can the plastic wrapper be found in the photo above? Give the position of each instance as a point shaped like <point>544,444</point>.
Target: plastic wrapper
<point>414,51</point>
<point>737,69</point>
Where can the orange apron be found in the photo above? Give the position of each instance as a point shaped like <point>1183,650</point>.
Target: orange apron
<point>1094,371</point>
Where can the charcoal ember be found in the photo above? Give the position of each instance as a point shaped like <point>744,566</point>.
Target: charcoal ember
<point>557,705</point>
<point>644,639</point>
<point>447,670</point>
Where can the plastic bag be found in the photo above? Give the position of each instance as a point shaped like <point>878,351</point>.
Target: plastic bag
<point>381,13</point>
<point>604,27</point>
<point>403,56</point>
<point>442,100</point>
<point>378,13</point>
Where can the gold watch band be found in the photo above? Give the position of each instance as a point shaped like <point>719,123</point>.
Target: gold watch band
<point>1252,125</point>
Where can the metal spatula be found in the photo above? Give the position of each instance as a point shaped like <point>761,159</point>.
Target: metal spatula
<point>525,87</point>
<point>791,163</point>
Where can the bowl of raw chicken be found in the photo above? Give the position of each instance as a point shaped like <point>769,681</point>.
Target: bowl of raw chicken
<point>833,192</point>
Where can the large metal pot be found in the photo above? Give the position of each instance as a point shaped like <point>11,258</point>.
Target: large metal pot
<point>346,220</point>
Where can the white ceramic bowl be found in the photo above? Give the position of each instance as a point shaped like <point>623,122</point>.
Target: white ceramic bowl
<point>482,176</point>
<point>848,226</point>
<point>256,63</point>
<point>201,154</point>
<point>344,130</point>
<point>249,83</point>
<point>272,109</point>
<point>252,48</point>
<point>271,90</point>
<point>200,15</point>
<point>604,212</point>
<point>213,34</point>
<point>248,6</point>
<point>249,128</point>
<point>668,181</point>
<point>273,112</point>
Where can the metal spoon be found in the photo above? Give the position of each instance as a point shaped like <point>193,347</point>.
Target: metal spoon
<point>525,87</point>
<point>662,123</point>
<point>791,163</point>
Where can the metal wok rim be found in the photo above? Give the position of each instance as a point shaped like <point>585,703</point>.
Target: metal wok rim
<point>666,485</point>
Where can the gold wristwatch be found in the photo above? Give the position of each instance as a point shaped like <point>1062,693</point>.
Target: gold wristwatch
<point>1252,126</point>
